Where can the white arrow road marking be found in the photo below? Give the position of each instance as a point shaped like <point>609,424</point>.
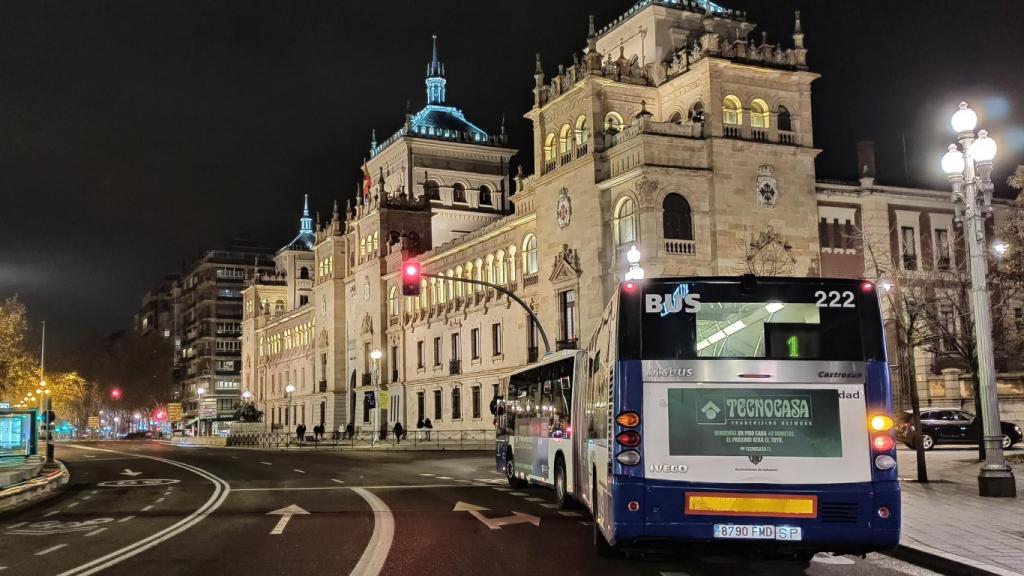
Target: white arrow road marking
<point>495,523</point>
<point>376,552</point>
<point>286,514</point>
<point>129,472</point>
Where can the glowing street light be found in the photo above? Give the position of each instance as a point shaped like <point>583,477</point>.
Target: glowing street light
<point>1000,247</point>
<point>634,272</point>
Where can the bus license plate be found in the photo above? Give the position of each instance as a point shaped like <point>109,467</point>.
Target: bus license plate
<point>758,532</point>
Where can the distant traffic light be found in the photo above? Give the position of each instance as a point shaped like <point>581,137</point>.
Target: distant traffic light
<point>115,394</point>
<point>411,278</point>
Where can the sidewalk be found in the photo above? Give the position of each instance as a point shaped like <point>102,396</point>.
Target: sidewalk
<point>947,518</point>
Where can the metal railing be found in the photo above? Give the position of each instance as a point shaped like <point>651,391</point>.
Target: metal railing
<point>424,439</point>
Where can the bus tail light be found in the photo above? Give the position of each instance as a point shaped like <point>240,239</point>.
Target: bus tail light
<point>881,423</point>
<point>633,506</point>
<point>629,438</point>
<point>628,419</point>
<point>628,457</point>
<point>883,443</point>
<point>884,513</point>
<point>885,462</point>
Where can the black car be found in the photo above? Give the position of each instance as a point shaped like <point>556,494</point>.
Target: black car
<point>137,435</point>
<point>942,426</point>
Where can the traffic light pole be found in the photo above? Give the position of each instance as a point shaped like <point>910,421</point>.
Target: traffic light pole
<point>518,300</point>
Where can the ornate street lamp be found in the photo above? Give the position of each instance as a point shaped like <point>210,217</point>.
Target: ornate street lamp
<point>968,165</point>
<point>375,356</point>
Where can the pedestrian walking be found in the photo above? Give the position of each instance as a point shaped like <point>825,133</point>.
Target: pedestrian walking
<point>300,431</point>
<point>350,431</point>
<point>429,426</point>
<point>399,432</point>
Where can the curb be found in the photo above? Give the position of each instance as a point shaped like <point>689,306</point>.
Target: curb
<point>946,562</point>
<point>35,490</point>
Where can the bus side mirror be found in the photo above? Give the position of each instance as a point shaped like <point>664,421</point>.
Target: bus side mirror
<point>494,405</point>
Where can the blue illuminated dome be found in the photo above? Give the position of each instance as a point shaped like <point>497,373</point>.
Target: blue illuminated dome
<point>306,238</point>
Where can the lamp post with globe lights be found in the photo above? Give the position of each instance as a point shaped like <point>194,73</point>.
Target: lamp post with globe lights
<point>375,356</point>
<point>199,410</point>
<point>289,389</point>
<point>968,165</point>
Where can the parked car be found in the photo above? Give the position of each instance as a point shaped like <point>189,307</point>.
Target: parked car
<point>941,426</point>
<point>137,435</point>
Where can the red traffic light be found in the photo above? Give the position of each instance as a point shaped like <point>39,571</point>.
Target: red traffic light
<point>115,394</point>
<point>411,275</point>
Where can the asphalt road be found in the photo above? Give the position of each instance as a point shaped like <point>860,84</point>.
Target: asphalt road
<point>152,508</point>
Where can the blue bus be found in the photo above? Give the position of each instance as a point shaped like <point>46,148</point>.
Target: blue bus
<point>737,411</point>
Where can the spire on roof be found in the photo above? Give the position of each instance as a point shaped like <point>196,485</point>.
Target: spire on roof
<point>305,223</point>
<point>435,78</point>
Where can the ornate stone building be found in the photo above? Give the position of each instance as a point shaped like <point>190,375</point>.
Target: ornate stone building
<point>676,130</point>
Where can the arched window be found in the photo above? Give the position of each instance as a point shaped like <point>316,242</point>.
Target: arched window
<point>582,131</point>
<point>485,196</point>
<point>478,270</point>
<point>458,285</point>
<point>489,269</point>
<point>759,115</point>
<point>432,189</point>
<point>696,113</point>
<point>499,268</point>
<point>549,147</point>
<point>376,242</point>
<point>442,296</point>
<point>393,301</point>
<point>677,222</point>
<point>625,221</point>
<point>612,123</point>
<point>451,286</point>
<point>732,111</point>
<point>512,263</point>
<point>304,273</point>
<point>785,119</point>
<point>530,254</point>
<point>458,193</point>
<point>423,303</point>
<point>565,139</point>
<point>676,118</point>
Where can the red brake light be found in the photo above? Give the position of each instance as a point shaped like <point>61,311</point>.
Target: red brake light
<point>630,438</point>
<point>883,443</point>
<point>629,286</point>
<point>867,287</point>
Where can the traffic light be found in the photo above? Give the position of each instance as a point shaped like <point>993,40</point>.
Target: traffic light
<point>115,394</point>
<point>411,278</point>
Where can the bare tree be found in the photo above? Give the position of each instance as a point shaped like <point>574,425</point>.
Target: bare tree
<point>768,254</point>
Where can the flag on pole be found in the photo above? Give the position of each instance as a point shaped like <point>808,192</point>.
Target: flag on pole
<point>367,181</point>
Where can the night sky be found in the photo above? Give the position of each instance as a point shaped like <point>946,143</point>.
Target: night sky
<point>136,134</point>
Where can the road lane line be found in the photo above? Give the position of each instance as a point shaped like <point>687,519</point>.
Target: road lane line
<point>73,504</point>
<point>445,478</point>
<point>158,500</point>
<point>299,471</point>
<point>126,518</point>
<point>147,508</point>
<point>265,463</point>
<point>378,487</point>
<point>426,474</point>
<point>94,492</point>
<point>337,481</point>
<point>95,532</point>
<point>86,497</point>
<point>50,549</point>
<point>376,552</point>
<point>51,513</point>
<point>221,489</point>
<point>570,513</point>
<point>518,494</point>
<point>501,489</point>
<point>534,499</point>
<point>550,505</point>
<point>12,526</point>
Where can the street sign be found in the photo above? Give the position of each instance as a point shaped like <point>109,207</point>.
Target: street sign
<point>208,409</point>
<point>286,514</point>
<point>5,405</point>
<point>495,523</point>
<point>174,411</point>
<point>94,422</point>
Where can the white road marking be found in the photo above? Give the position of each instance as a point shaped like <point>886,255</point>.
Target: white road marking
<point>827,558</point>
<point>337,481</point>
<point>235,457</point>
<point>586,523</point>
<point>95,532</point>
<point>51,513</point>
<point>674,573</point>
<point>89,456</point>
<point>265,463</point>
<point>126,518</point>
<point>299,471</point>
<point>501,489</point>
<point>495,523</point>
<point>158,500</point>
<point>94,492</point>
<point>570,513</point>
<point>12,526</point>
<point>464,481</point>
<point>2,568</point>
<point>490,480</point>
<point>86,497</point>
<point>73,504</point>
<point>550,505</point>
<point>534,499</point>
<point>376,552</point>
<point>286,514</point>
<point>50,549</point>
<point>221,489</point>
<point>147,508</point>
<point>445,478</point>
<point>426,474</point>
<point>518,494</point>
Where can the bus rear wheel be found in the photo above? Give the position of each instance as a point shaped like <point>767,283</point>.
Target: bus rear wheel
<point>510,472</point>
<point>562,498</point>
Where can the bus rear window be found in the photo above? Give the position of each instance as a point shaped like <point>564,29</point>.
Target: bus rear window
<point>776,321</point>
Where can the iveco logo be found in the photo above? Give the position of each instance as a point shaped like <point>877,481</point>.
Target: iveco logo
<point>669,468</point>
<point>840,375</point>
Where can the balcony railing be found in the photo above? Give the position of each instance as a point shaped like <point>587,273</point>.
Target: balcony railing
<point>455,367</point>
<point>732,132</point>
<point>682,247</point>
<point>530,280</point>
<point>758,135</point>
<point>786,137</point>
<point>549,165</point>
